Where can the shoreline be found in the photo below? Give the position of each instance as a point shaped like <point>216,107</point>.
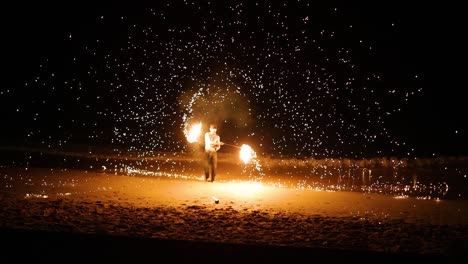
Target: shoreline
<point>436,178</point>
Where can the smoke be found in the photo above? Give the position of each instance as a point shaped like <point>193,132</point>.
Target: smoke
<point>216,100</point>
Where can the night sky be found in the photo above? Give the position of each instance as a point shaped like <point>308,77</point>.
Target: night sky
<point>289,78</point>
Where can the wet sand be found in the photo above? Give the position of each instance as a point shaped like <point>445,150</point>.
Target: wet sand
<point>103,215</point>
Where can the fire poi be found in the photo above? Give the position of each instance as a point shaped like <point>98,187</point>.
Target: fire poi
<point>192,133</point>
<point>246,153</point>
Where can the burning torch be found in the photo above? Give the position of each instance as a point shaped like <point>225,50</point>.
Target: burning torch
<point>246,152</point>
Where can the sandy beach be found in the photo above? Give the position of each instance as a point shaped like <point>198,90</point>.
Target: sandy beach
<point>342,125</point>
<point>82,208</point>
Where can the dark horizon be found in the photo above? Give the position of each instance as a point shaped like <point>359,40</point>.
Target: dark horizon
<point>336,80</point>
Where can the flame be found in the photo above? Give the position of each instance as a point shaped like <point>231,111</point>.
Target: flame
<point>246,153</point>
<point>193,132</point>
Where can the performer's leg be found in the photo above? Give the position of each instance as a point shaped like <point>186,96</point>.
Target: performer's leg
<point>214,166</point>
<point>206,165</point>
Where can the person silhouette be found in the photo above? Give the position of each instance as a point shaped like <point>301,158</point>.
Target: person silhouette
<point>212,145</point>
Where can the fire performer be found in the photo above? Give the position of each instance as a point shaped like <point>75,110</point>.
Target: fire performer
<point>212,145</point>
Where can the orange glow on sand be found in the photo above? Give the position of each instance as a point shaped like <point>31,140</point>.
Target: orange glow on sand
<point>245,189</point>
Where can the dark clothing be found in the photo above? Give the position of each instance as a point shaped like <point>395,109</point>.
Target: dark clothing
<point>212,144</point>
<point>211,163</point>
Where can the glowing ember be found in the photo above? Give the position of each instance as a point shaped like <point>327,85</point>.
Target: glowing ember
<point>193,132</point>
<point>246,153</point>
